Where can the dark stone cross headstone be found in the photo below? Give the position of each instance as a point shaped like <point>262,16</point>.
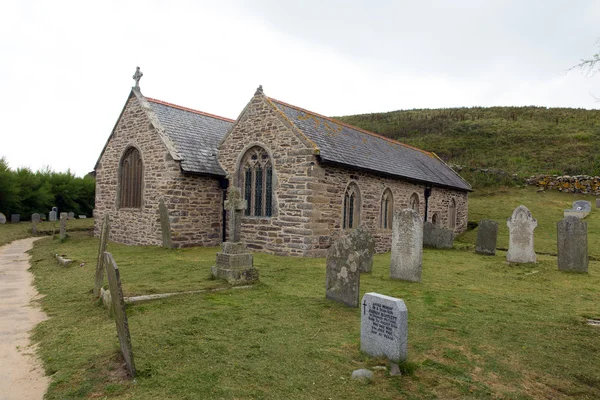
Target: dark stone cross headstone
<point>118,309</point>
<point>235,206</point>
<point>63,225</point>
<point>165,225</point>
<point>342,275</point>
<point>572,245</point>
<point>487,236</point>
<point>35,218</point>
<point>99,277</point>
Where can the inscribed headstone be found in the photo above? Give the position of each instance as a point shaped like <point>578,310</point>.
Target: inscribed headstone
<point>71,215</point>
<point>99,277</point>
<point>384,327</point>
<point>14,218</point>
<point>52,216</point>
<point>487,236</point>
<point>520,245</point>
<point>364,244</point>
<point>63,225</point>
<point>35,218</point>
<point>118,308</point>
<point>437,237</point>
<point>2,218</point>
<point>572,245</point>
<point>342,276</point>
<point>165,225</point>
<point>407,246</point>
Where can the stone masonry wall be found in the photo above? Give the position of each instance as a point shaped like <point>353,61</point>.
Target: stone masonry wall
<point>194,202</point>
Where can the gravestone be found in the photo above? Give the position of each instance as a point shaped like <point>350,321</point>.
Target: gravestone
<point>71,215</point>
<point>364,244</point>
<point>99,277</point>
<point>597,203</point>
<point>165,225</point>
<point>35,218</point>
<point>55,209</point>
<point>2,218</point>
<point>437,237</point>
<point>234,262</point>
<point>83,216</point>
<point>572,245</point>
<point>384,327</point>
<point>520,244</point>
<point>14,218</point>
<point>118,309</point>
<point>580,209</point>
<point>487,236</point>
<point>407,246</point>
<point>342,276</point>
<point>52,216</point>
<point>63,225</point>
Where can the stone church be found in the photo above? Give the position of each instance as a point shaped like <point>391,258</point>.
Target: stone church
<point>306,177</point>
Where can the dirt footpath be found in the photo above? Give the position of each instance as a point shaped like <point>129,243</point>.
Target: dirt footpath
<point>21,374</point>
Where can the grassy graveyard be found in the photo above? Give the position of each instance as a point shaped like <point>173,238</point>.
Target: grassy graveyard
<point>21,230</point>
<point>478,327</point>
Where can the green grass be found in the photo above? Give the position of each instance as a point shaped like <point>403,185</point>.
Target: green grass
<point>478,327</point>
<point>21,230</point>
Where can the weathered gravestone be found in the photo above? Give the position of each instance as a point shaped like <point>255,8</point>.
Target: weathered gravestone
<point>342,276</point>
<point>572,245</point>
<point>52,216</point>
<point>520,244</point>
<point>597,203</point>
<point>99,277</point>
<point>82,216</point>
<point>364,245</point>
<point>2,218</point>
<point>487,236</point>
<point>35,218</point>
<point>384,327</point>
<point>118,309</point>
<point>165,225</point>
<point>14,218</point>
<point>437,236</point>
<point>580,209</point>
<point>63,225</point>
<point>407,246</point>
<point>235,263</point>
<point>71,215</point>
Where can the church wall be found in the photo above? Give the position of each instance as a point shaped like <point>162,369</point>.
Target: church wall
<point>194,202</point>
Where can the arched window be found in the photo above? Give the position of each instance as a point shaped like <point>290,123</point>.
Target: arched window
<point>435,218</point>
<point>131,177</point>
<point>351,205</point>
<point>387,210</point>
<point>452,214</point>
<point>413,203</point>
<point>256,180</point>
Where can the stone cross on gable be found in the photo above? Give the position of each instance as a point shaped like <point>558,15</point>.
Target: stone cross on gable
<point>137,76</point>
<point>235,204</point>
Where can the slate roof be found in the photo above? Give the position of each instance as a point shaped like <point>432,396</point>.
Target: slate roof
<point>195,134</point>
<point>345,144</point>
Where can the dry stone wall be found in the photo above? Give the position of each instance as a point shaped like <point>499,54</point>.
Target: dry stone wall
<point>583,184</point>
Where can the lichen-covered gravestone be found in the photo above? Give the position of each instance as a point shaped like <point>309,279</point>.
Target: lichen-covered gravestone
<point>165,225</point>
<point>487,236</point>
<point>384,327</point>
<point>520,245</point>
<point>364,244</point>
<point>437,237</point>
<point>35,218</point>
<point>342,276</point>
<point>2,218</point>
<point>63,225</point>
<point>99,276</point>
<point>407,246</point>
<point>572,245</point>
<point>118,309</point>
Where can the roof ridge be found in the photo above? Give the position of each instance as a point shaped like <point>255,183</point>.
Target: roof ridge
<point>352,126</point>
<point>164,103</point>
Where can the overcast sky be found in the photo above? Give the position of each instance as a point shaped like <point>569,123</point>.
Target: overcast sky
<point>66,67</point>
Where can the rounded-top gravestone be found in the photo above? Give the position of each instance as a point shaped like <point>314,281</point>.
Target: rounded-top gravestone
<point>2,218</point>
<point>520,245</point>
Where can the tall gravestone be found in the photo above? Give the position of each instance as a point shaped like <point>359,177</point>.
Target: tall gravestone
<point>342,276</point>
<point>364,245</point>
<point>14,218</point>
<point>487,237</point>
<point>520,245</point>
<point>407,246</point>
<point>63,225</point>
<point>118,309</point>
<point>52,216</point>
<point>2,218</point>
<point>234,263</point>
<point>384,327</point>
<point>597,203</point>
<point>35,218</point>
<point>572,245</point>
<point>99,276</point>
<point>165,225</point>
<point>437,237</point>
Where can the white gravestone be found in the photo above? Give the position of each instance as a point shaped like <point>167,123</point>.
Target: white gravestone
<point>384,327</point>
<point>520,245</point>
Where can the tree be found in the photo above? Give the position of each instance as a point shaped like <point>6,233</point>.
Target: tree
<point>590,66</point>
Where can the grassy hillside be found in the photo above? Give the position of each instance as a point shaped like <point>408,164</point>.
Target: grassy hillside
<point>516,140</point>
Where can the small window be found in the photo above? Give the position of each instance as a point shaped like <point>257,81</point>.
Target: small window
<point>452,214</point>
<point>413,203</point>
<point>351,207</point>
<point>131,176</point>
<point>387,210</point>
<point>256,175</point>
<point>435,218</point>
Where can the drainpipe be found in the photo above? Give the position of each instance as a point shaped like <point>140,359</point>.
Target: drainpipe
<point>224,184</point>
<point>427,194</point>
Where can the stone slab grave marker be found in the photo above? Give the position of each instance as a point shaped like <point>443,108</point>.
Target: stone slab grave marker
<point>35,218</point>
<point>597,203</point>
<point>437,237</point>
<point>364,244</point>
<point>99,276</point>
<point>234,263</point>
<point>2,218</point>
<point>580,209</point>
<point>52,216</point>
<point>520,244</point>
<point>63,225</point>
<point>83,216</point>
<point>15,218</point>
<point>572,244</point>
<point>71,215</point>
<point>384,327</point>
<point>118,309</point>
<point>165,225</point>
<point>487,237</point>
<point>407,246</point>
<point>342,275</point>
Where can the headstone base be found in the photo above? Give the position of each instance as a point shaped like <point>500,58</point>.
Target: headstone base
<point>235,264</point>
<point>236,276</point>
<point>575,213</point>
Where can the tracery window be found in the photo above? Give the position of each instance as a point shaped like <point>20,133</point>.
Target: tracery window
<point>351,207</point>
<point>413,203</point>
<point>387,210</point>
<point>256,175</point>
<point>452,214</point>
<point>130,180</point>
